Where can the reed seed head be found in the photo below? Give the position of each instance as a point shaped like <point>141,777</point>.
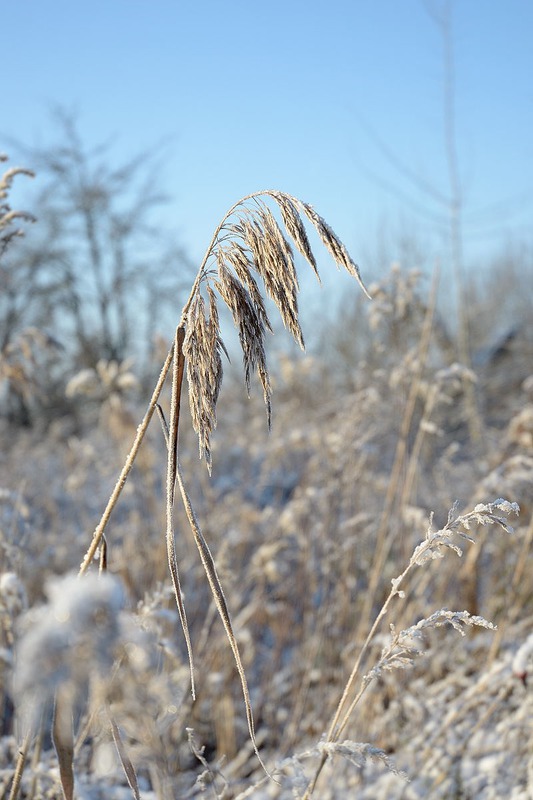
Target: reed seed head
<point>248,247</point>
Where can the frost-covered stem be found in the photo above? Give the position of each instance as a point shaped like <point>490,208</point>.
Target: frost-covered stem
<point>335,729</point>
<point>334,732</point>
<point>512,603</point>
<point>484,514</point>
<point>141,431</point>
<point>21,761</point>
<point>413,464</point>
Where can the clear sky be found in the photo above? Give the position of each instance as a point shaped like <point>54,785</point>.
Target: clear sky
<point>314,98</point>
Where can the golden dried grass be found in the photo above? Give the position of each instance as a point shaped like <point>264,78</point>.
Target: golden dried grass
<point>247,243</point>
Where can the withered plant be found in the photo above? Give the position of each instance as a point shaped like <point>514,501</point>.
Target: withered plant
<point>248,247</point>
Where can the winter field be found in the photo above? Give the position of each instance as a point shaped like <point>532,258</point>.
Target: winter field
<point>365,630</point>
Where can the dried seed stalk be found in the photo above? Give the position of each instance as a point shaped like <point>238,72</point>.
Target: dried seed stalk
<point>248,240</point>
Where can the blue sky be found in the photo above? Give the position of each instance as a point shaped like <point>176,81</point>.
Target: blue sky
<point>302,96</point>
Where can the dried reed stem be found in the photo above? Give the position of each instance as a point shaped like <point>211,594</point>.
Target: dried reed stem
<point>19,769</point>
<point>248,242</point>
<point>515,607</point>
<point>130,460</point>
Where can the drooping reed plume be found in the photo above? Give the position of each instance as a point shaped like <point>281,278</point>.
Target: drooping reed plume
<point>249,245</point>
<point>250,255</point>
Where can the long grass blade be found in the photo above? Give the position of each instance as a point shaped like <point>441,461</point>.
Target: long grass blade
<point>221,604</point>
<point>127,766</point>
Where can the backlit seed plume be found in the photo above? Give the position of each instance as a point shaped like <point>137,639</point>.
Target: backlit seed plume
<point>249,247</point>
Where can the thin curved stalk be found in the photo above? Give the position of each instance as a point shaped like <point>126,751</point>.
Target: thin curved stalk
<point>337,725</point>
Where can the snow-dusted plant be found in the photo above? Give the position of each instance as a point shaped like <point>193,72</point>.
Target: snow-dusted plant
<point>68,641</point>
<point>64,648</point>
<point>403,646</point>
<point>250,256</point>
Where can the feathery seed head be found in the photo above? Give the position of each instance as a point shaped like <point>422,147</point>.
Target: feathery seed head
<point>249,240</point>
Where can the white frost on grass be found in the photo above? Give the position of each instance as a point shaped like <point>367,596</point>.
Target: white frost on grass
<point>70,639</point>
